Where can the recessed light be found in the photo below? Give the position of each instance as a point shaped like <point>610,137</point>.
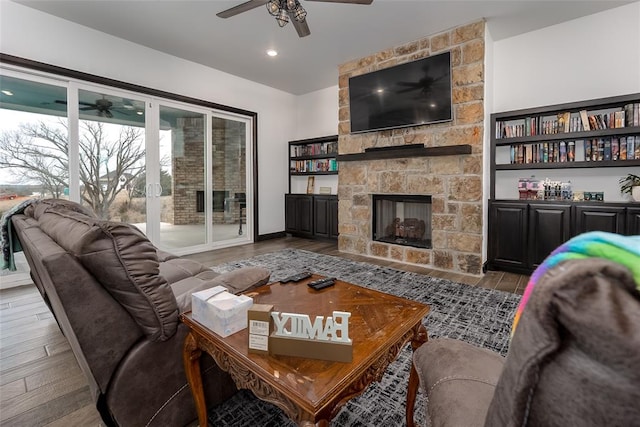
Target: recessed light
<point>7,92</point>
<point>272,52</point>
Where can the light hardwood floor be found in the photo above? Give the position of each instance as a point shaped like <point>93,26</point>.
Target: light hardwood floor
<point>40,381</point>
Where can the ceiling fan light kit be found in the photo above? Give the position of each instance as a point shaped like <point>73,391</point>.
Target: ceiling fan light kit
<point>282,9</point>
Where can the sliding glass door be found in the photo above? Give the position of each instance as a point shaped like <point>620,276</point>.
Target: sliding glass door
<point>182,173</point>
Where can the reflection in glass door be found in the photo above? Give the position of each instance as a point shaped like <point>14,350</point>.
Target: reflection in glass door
<point>231,197</point>
<point>183,201</point>
<point>112,157</point>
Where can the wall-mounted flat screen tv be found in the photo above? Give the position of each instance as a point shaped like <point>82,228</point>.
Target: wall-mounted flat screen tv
<point>411,94</point>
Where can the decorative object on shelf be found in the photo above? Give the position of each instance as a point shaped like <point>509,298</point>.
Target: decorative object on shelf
<point>325,190</point>
<point>311,181</point>
<point>630,184</point>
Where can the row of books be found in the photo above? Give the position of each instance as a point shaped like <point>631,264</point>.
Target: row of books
<point>625,148</point>
<point>543,152</point>
<point>565,122</point>
<point>597,149</point>
<point>319,148</point>
<point>322,165</point>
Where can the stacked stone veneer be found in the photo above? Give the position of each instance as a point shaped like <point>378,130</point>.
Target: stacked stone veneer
<point>189,162</point>
<point>454,182</point>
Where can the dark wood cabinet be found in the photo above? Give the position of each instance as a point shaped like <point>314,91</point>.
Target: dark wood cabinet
<point>523,233</point>
<point>311,215</point>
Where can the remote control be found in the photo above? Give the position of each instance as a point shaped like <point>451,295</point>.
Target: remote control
<point>322,283</point>
<point>296,277</point>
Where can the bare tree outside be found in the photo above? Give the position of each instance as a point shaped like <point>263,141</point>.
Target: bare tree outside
<point>110,162</point>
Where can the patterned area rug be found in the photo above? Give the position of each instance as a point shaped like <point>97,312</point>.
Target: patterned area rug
<point>476,315</point>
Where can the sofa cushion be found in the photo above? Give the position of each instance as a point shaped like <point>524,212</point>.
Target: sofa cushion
<point>237,281</point>
<point>176,269</point>
<point>122,259</point>
<point>458,379</point>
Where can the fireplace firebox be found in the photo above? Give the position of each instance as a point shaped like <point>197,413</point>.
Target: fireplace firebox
<point>402,220</point>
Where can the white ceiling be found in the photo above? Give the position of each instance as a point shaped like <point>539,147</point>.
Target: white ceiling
<point>191,30</point>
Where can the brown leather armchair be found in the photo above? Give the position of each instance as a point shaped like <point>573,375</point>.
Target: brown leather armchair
<point>574,359</point>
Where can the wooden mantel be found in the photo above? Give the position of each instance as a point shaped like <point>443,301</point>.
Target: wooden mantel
<point>409,150</point>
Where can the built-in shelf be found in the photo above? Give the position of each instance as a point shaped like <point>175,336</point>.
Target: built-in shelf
<point>400,151</point>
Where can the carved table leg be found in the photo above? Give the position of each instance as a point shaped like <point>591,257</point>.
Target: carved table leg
<point>191,358</point>
<point>419,338</point>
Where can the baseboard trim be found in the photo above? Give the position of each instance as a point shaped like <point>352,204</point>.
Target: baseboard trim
<point>270,236</point>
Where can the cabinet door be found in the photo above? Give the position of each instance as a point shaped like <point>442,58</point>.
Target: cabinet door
<point>549,227</point>
<point>333,218</point>
<point>321,216</point>
<point>633,221</point>
<point>290,213</point>
<point>599,218</point>
<point>508,235</point>
<point>299,214</point>
<point>304,215</point>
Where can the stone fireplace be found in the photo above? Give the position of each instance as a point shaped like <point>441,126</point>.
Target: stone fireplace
<point>402,220</point>
<point>452,181</point>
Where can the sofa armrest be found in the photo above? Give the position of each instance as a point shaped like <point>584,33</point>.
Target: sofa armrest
<point>458,379</point>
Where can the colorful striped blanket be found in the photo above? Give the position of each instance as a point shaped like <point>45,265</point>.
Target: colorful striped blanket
<point>624,250</point>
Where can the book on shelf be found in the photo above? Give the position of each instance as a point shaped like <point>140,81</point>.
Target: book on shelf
<point>571,151</point>
<point>585,120</point>
<point>607,149</point>
<point>564,120</point>
<point>623,148</point>
<point>587,150</point>
<point>615,149</point>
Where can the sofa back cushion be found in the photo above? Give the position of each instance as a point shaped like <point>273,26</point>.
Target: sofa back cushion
<point>575,356</point>
<point>122,259</point>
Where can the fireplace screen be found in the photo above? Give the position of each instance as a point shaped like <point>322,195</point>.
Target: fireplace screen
<point>402,220</point>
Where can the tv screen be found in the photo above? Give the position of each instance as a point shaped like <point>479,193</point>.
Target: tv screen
<point>411,94</point>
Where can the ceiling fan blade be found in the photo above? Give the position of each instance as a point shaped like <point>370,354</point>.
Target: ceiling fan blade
<point>301,27</point>
<point>345,1</point>
<point>243,7</point>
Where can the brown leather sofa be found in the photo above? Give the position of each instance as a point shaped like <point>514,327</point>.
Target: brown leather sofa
<point>117,299</point>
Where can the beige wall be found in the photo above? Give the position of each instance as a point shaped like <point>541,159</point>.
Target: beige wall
<point>454,182</point>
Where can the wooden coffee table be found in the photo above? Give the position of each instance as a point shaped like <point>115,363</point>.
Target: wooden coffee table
<point>311,392</point>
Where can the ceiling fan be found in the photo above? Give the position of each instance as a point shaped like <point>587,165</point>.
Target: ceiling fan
<point>284,10</point>
<point>102,105</point>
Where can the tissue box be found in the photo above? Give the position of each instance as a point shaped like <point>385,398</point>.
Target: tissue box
<point>222,312</point>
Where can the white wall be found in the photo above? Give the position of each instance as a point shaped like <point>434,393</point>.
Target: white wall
<point>592,57</point>
<point>317,113</point>
<point>34,35</point>
<point>595,56</point>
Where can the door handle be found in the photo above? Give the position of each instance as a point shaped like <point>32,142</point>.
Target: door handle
<point>158,189</point>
